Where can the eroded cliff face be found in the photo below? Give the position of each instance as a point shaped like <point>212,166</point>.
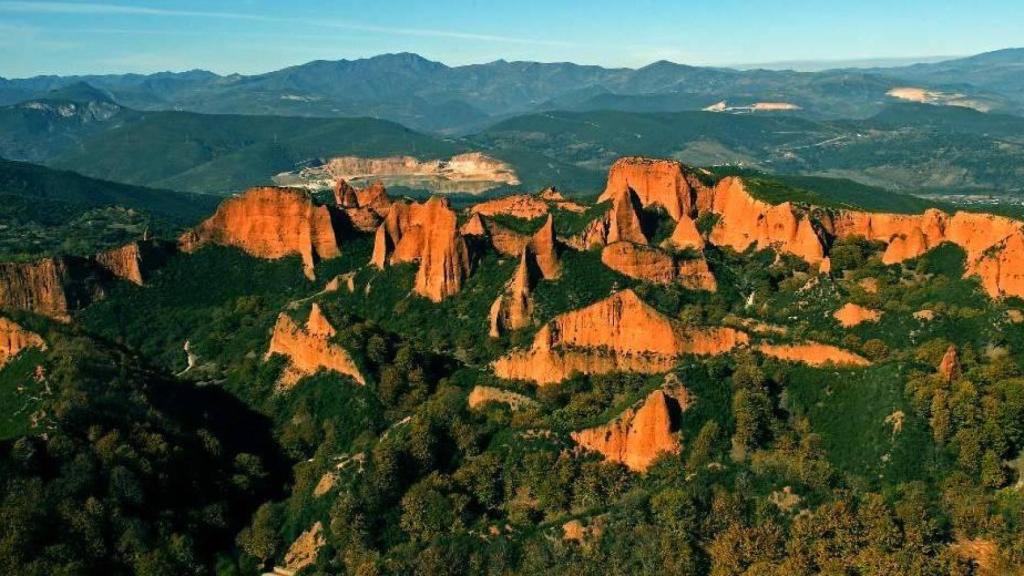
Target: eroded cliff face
<point>543,247</point>
<point>270,223</point>
<point>619,333</point>
<point>309,349</point>
<point>483,395</point>
<point>640,434</point>
<point>518,205</point>
<point>14,339</point>
<point>426,233</point>
<point>513,308</point>
<point>813,354</point>
<point>661,182</point>
<point>685,235</point>
<point>136,260</point>
<point>695,274</point>
<point>53,287</point>
<point>624,224</point>
<point>851,315</point>
<point>640,262</point>
<point>744,221</point>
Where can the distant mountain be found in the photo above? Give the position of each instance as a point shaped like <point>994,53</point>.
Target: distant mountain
<point>1000,72</point>
<point>431,96</point>
<point>906,146</point>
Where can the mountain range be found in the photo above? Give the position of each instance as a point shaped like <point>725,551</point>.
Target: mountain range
<point>431,96</point>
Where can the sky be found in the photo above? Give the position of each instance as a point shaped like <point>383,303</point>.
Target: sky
<point>248,36</point>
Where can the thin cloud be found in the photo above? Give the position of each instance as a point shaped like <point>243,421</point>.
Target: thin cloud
<point>29,7</point>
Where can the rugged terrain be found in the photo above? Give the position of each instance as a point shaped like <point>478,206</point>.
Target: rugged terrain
<point>696,372</point>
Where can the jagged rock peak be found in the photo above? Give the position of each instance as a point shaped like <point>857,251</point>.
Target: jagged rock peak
<point>513,308</point>
<point>309,349</point>
<point>639,435</point>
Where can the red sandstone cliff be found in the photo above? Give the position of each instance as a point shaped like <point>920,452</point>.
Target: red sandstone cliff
<point>949,367</point>
<point>618,334</point>
<point>309,349</point>
<point>513,308</point>
<point>661,182</point>
<point>640,262</point>
<point>270,223</point>
<point>851,315</point>
<point>813,354</point>
<point>426,233</point>
<point>52,287</point>
<point>640,434</point>
<point>14,339</point>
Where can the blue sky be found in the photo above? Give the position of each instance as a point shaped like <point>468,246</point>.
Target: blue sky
<point>42,37</point>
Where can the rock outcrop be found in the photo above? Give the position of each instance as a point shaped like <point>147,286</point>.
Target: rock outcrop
<point>949,367</point>
<point>660,182</point>
<point>543,246</point>
<point>639,435</point>
<point>685,235</point>
<point>813,354</point>
<point>851,315</point>
<point>304,550</point>
<point>14,339</point>
<point>309,349</point>
<point>618,334</point>
<point>483,395</point>
<point>624,224</point>
<point>426,233</point>
<point>745,221</point>
<point>134,261</point>
<point>270,223</point>
<point>523,206</point>
<point>640,262</point>
<point>695,274</point>
<point>513,308</point>
<point>53,287</point>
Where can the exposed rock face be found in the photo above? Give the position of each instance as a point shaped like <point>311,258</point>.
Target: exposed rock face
<point>304,550</point>
<point>640,262</point>
<point>519,205</point>
<point>482,395</point>
<point>661,182</point>
<point>309,349</point>
<point>426,233</point>
<point>685,235</point>
<point>14,339</point>
<point>851,315</point>
<point>505,241</point>
<point>124,262</point>
<point>134,261</point>
<point>813,354</point>
<point>1002,268</point>
<point>949,368</point>
<point>624,219</point>
<point>270,223</point>
<point>618,334</point>
<point>52,287</point>
<point>595,234</point>
<point>345,194</point>
<point>638,435</point>
<point>745,221</point>
<point>695,275</point>
<point>543,247</point>
<point>513,308</point>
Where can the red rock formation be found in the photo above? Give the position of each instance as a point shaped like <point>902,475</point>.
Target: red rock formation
<point>374,197</point>
<point>694,274</point>
<point>618,334</point>
<point>851,315</point>
<point>595,234</point>
<point>309,349</point>
<point>52,287</point>
<point>685,235</point>
<point>269,223</point>
<point>426,233</point>
<point>345,194</point>
<point>505,241</point>
<point>513,308</point>
<point>482,395</point>
<point>303,551</point>
<point>473,227</point>
<point>949,368</point>
<point>640,262</point>
<point>1001,269</point>
<point>124,262</point>
<point>518,205</point>
<point>624,220</point>
<point>638,435</point>
<point>661,182</point>
<point>813,354</point>
<point>543,246</point>
<point>745,221</point>
<point>14,339</point>
<point>559,201</point>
